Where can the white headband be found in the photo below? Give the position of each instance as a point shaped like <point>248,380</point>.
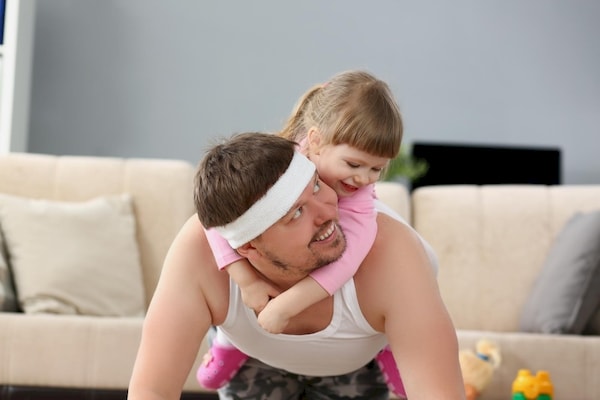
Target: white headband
<point>278,200</point>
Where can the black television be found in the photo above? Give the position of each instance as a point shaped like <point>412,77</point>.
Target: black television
<point>451,164</point>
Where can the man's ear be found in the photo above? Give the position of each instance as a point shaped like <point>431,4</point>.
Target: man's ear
<point>313,138</point>
<point>245,250</point>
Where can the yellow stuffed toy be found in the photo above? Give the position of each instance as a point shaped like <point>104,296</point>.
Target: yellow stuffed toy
<point>478,367</point>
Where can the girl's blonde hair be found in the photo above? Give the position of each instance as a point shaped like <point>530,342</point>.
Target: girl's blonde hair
<point>352,108</point>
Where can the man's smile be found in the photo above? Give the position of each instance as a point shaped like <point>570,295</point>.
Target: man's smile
<point>327,233</point>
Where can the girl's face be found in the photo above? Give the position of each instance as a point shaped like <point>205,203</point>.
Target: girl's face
<point>346,169</point>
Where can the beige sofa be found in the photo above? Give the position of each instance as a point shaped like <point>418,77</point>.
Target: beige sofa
<point>41,353</point>
<point>491,243</point>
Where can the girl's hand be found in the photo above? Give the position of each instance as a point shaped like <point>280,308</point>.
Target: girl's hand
<point>272,319</point>
<point>257,294</point>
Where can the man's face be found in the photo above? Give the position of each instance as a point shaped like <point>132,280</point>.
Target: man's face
<point>306,238</point>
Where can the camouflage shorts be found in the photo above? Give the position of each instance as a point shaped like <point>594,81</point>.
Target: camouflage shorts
<point>258,381</point>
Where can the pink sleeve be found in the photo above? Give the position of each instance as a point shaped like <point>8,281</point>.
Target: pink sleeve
<point>358,219</point>
<point>224,254</point>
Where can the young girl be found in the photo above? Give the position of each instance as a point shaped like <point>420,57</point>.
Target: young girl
<point>350,128</point>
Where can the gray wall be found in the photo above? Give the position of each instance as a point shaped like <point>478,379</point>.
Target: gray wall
<point>155,78</point>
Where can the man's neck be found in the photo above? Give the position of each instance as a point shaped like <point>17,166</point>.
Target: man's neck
<point>278,277</point>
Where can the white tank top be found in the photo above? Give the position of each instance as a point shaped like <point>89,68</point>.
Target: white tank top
<point>348,343</point>
<point>345,345</point>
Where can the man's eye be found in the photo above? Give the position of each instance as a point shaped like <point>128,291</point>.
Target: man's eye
<point>297,213</point>
<point>316,187</point>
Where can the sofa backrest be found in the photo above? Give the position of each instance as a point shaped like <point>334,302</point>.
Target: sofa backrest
<point>161,192</point>
<point>395,196</point>
<point>492,241</point>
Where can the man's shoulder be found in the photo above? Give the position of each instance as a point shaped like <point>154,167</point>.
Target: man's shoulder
<point>389,227</point>
<point>396,262</point>
<point>191,260</point>
<point>396,244</point>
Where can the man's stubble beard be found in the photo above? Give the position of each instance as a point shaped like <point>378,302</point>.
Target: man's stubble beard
<point>319,261</point>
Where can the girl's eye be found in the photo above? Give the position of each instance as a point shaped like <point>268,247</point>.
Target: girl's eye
<point>353,165</point>
<point>377,169</point>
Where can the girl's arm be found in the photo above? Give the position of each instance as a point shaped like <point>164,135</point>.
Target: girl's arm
<point>224,254</point>
<point>358,220</point>
<point>256,292</point>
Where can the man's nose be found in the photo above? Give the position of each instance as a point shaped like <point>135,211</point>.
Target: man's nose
<point>324,211</point>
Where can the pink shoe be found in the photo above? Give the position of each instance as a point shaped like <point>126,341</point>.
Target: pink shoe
<point>222,364</point>
<point>388,367</point>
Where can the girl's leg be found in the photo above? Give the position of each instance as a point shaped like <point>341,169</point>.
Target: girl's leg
<point>387,364</point>
<point>221,363</point>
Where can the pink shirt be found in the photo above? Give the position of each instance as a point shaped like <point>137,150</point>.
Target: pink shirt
<point>358,221</point>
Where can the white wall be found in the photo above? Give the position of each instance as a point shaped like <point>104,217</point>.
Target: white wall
<point>151,78</point>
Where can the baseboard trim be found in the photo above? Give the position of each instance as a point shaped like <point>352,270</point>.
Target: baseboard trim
<point>15,392</point>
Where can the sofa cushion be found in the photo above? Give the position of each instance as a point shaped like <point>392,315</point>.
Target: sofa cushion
<point>74,257</point>
<point>8,301</point>
<point>565,294</point>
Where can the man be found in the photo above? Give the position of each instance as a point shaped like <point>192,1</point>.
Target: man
<point>266,198</point>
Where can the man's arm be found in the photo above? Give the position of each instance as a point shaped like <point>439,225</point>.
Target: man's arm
<point>191,295</point>
<point>398,294</point>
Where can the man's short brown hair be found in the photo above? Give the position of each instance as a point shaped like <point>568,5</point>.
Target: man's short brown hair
<point>233,175</point>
